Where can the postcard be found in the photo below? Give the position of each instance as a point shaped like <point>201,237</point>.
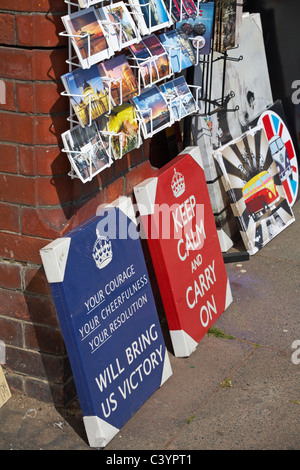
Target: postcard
<point>119,78</point>
<point>162,58</point>
<point>87,36</point>
<point>178,13</point>
<point>120,130</point>
<point>86,151</point>
<point>153,111</point>
<point>179,48</point>
<point>147,70</point>
<point>199,28</point>
<point>150,16</point>
<point>179,98</point>
<point>89,97</point>
<point>121,29</point>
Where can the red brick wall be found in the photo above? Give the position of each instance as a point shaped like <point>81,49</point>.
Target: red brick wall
<point>38,200</point>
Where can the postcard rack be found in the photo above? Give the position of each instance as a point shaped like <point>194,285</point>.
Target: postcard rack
<point>206,103</point>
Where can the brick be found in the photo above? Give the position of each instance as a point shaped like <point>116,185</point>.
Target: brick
<point>15,63</point>
<point>34,5</point>
<point>35,280</point>
<point>9,158</point>
<point>122,164</point>
<point>11,332</point>
<point>48,129</point>
<point>49,64</point>
<point>10,275</point>
<point>21,247</point>
<point>87,208</point>
<point>51,161</point>
<point>114,190</point>
<point>27,160</point>
<point>17,189</point>
<point>47,223</point>
<point>16,128</point>
<point>33,363</point>
<point>24,64</point>
<point>44,339</point>
<point>25,97</point>
<point>58,190</point>
<point>137,175</point>
<point>48,98</point>
<point>8,103</point>
<point>41,310</point>
<point>9,217</point>
<point>39,30</point>
<point>7,29</point>
<point>13,304</point>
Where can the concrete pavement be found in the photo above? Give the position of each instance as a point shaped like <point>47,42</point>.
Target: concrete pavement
<point>240,393</point>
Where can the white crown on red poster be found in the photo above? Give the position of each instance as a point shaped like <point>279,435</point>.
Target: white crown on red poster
<point>178,184</point>
<point>102,251</point>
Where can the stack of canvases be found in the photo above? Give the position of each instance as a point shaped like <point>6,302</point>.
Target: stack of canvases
<point>247,95</point>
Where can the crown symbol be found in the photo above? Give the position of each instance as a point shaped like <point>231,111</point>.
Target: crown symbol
<point>178,184</point>
<point>102,251</point>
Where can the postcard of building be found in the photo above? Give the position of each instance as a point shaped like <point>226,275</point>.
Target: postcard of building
<point>121,29</point>
<point>150,15</point>
<point>161,56</point>
<point>147,72</point>
<point>88,94</point>
<point>179,48</point>
<point>118,78</point>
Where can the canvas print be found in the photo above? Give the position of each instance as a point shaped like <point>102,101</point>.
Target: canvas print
<point>86,151</point>
<point>153,111</point>
<point>175,7</point>
<point>88,36</point>
<point>89,96</point>
<point>251,88</point>
<point>283,150</point>
<point>179,98</point>
<point>199,28</point>
<point>257,197</point>
<point>122,30</point>
<point>179,48</point>
<point>120,130</point>
<point>119,78</point>
<point>146,66</point>
<point>228,25</point>
<point>150,16</point>
<point>161,56</point>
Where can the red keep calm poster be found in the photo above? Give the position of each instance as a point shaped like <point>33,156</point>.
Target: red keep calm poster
<point>179,225</point>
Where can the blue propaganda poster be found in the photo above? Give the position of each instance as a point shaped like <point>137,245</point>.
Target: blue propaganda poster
<point>104,302</point>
